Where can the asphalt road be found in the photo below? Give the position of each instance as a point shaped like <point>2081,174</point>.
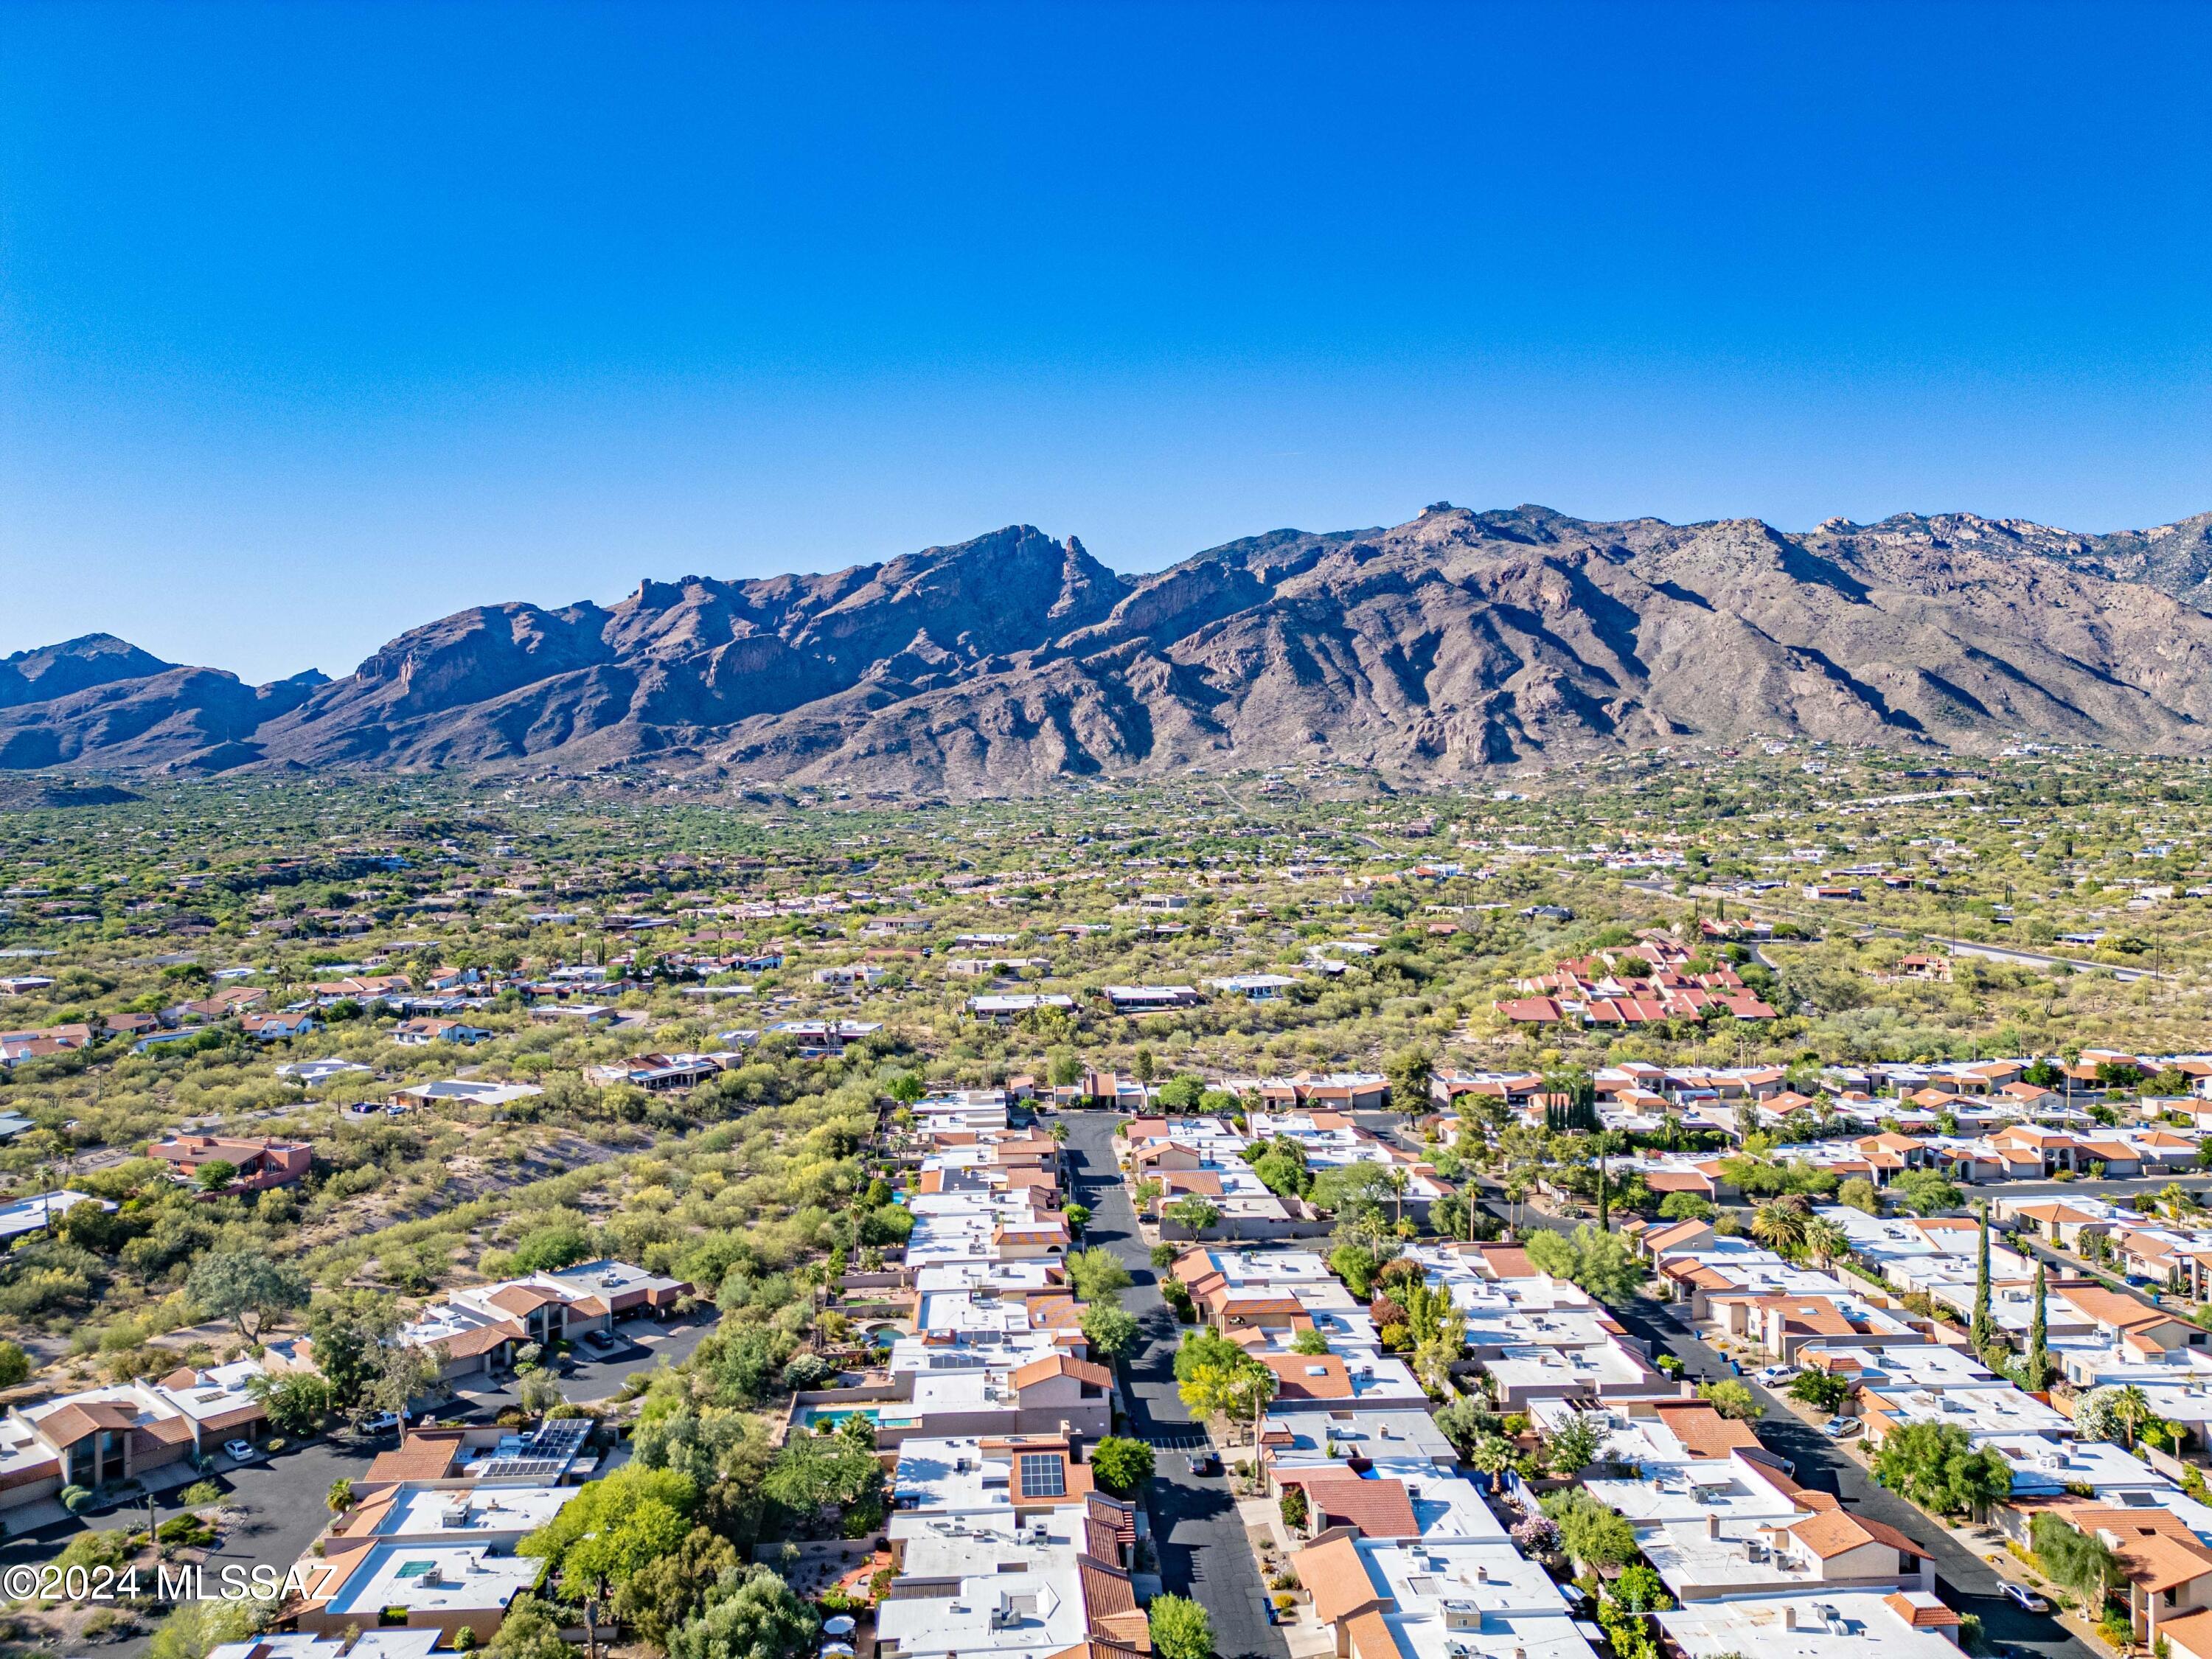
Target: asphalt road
<point>283,1497</point>
<point>1968,1582</point>
<point>1204,1553</point>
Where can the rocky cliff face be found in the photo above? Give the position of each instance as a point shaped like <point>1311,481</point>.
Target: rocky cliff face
<point>1455,642</point>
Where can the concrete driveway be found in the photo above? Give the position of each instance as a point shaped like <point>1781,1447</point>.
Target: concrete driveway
<point>585,1378</point>
<point>1204,1553</point>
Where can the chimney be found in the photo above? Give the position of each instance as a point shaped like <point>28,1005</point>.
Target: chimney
<point>1712,1526</point>
<point>1788,1616</point>
<point>1481,1573</point>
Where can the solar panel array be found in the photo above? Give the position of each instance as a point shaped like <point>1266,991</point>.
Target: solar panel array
<point>546,1455</point>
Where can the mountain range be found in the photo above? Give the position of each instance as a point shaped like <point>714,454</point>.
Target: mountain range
<point>1458,641</point>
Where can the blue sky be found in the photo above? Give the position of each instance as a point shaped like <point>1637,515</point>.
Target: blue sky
<point>318,321</point>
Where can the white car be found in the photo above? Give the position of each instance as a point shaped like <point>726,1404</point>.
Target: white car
<point>1774,1376</point>
<point>1842,1428</point>
<point>2026,1597</point>
<point>241,1449</point>
<point>382,1423</point>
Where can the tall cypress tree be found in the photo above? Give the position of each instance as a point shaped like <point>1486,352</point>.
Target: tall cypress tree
<point>2038,1334</point>
<point>1983,1332</point>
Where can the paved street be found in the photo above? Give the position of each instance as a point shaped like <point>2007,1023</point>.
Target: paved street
<point>1968,1582</point>
<point>1204,1553</point>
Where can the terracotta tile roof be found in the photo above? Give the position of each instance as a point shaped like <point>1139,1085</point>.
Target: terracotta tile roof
<point>1703,1431</point>
<point>1338,1579</point>
<point>418,1458</point>
<point>1108,1527</point>
<point>466,1345</point>
<point>70,1424</point>
<point>2190,1635</point>
<point>1508,1261</point>
<point>522,1300</point>
<point>1370,1637</point>
<point>1309,1376</point>
<point>1833,1532</point>
<point>1059,1365</point>
<point>1920,1610</point>
<point>1106,1588</point>
<point>1379,1509</point>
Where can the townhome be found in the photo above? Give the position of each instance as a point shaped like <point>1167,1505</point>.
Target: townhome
<point>999,1545</point>
<point>372,1561</point>
<point>101,1437</point>
<point>1836,1625</point>
<point>1436,1599</point>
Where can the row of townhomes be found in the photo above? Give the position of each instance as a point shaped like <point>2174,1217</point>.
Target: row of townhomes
<point>1716,1526</point>
<point>1173,1160</point>
<point>986,1405</point>
<point>1403,1555</point>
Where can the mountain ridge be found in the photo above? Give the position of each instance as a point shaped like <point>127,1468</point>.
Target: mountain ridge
<point>1455,641</point>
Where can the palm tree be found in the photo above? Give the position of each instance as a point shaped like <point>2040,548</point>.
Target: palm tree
<point>1780,1223</point>
<point>1827,1241</point>
<point>1517,1185</point>
<point>2131,1410</point>
<point>1492,1455</point>
<point>1397,1180</point>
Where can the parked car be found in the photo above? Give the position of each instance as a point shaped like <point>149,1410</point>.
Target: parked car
<point>1205,1463</point>
<point>2025,1596</point>
<point>240,1450</point>
<point>1842,1428</point>
<point>1774,1376</point>
<point>382,1423</point>
<point>600,1342</point>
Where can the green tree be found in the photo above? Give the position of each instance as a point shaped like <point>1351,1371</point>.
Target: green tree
<point>1573,1446</point>
<point>750,1614</point>
<point>1180,1628</point>
<point>1409,1070</point>
<point>662,1596</point>
<point>1826,1242</point>
<point>2082,1561</point>
<point>1111,1331</point>
<point>246,1288</point>
<point>1780,1223</point>
<point>614,1526</point>
<point>1936,1466</point>
<point>1640,1589</point>
<point>821,1480</point>
<point>15,1363</point>
<point>1588,1531</point>
<point>1310,1342</point>
<point>215,1175</point>
<point>346,1331</point>
<point>340,1498</point>
<point>1731,1399</point>
<point>1923,1192</point>
<point>547,1249</point>
<point>1820,1389</point>
<point>1491,1455</point>
<point>1599,1262</point>
<point>296,1404</point>
<point>2130,1409</point>
<point>1096,1275</point>
<point>1686,1206</point>
<point>2038,1367</point>
<point>1858,1192</point>
<point>1983,1330</point>
<point>1193,1213</point>
<point>194,1628</point>
<point>1121,1465</point>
